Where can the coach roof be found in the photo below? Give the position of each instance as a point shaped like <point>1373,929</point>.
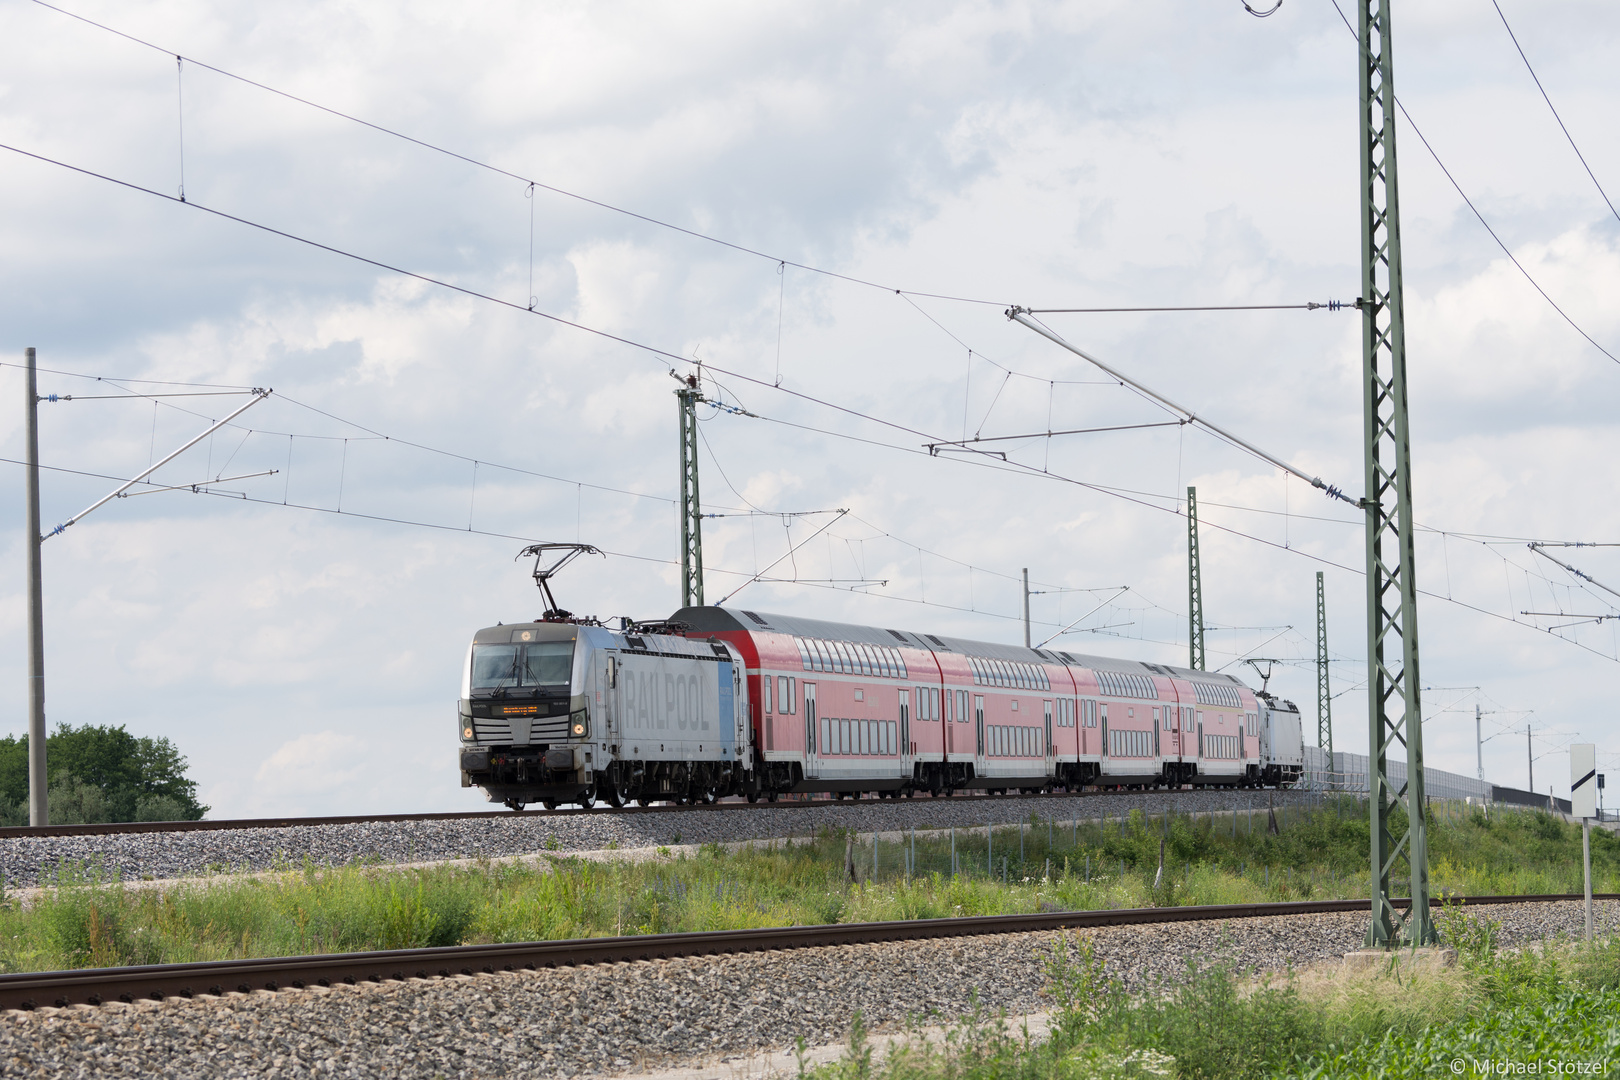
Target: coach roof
<point>712,620</point>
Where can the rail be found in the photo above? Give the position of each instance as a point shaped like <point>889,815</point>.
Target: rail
<point>96,986</point>
<point>15,832</point>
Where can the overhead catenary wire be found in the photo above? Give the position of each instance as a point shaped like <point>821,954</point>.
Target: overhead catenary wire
<point>1399,104</point>
<point>480,164</point>
<point>670,357</point>
<point>1545,97</point>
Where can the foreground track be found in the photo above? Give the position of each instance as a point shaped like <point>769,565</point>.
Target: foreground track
<point>156,982</point>
<point>16,832</point>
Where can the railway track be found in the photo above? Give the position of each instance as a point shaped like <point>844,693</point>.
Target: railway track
<point>98,986</point>
<point>225,824</point>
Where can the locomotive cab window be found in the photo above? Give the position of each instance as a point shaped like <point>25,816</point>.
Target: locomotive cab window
<point>540,664</point>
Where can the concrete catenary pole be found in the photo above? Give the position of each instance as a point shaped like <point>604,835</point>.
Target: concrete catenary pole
<point>1026,607</point>
<point>38,806</point>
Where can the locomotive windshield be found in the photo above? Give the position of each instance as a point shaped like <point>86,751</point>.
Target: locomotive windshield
<point>537,664</point>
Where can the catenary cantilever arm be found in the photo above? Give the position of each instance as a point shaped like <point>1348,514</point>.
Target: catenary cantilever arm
<point>258,396</point>
<point>1021,315</point>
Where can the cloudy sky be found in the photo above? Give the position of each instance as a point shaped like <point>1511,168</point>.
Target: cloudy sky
<point>748,185</point>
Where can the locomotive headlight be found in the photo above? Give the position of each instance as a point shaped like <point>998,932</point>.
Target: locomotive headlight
<point>579,724</point>
<point>579,728</point>
<point>466,733</point>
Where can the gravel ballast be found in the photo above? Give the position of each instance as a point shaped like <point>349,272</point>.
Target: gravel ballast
<point>636,1016</point>
<point>27,861</point>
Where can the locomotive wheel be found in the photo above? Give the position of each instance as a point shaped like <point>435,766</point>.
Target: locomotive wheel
<point>643,801</point>
<point>587,798</point>
<point>770,796</point>
<point>911,793</point>
<point>549,804</point>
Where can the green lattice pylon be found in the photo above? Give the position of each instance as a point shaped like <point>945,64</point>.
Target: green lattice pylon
<point>1195,588</point>
<point>691,506</point>
<point>1394,712</point>
<point>1324,697</point>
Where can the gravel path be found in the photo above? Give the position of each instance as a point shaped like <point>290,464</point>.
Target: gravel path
<point>634,1017</point>
<point>25,861</point>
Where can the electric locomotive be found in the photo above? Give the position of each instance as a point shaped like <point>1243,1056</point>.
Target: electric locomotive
<point>562,711</point>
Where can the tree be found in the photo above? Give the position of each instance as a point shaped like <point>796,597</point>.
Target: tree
<point>103,774</point>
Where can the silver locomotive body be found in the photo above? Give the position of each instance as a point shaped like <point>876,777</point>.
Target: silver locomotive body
<point>556,712</point>
<point>1282,741</point>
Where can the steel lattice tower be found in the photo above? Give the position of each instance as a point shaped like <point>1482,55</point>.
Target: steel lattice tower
<point>1324,698</point>
<point>1394,713</point>
<point>1195,588</point>
<point>691,505</point>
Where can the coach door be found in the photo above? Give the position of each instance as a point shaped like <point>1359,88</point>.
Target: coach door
<point>1048,708</point>
<point>978,723</point>
<point>903,750</point>
<point>811,767</point>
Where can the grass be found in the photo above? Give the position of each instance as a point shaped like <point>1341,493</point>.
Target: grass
<point>1493,1011</point>
<point>87,919</point>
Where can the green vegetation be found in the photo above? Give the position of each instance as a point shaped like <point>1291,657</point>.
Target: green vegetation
<point>1542,1005</point>
<point>100,774</point>
<point>86,919</point>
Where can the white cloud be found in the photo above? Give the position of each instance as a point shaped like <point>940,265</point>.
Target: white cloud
<point>1058,155</point>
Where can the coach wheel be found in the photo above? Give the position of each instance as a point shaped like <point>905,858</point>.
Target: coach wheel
<point>753,796</point>
<point>514,804</point>
<point>642,800</point>
<point>770,796</point>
